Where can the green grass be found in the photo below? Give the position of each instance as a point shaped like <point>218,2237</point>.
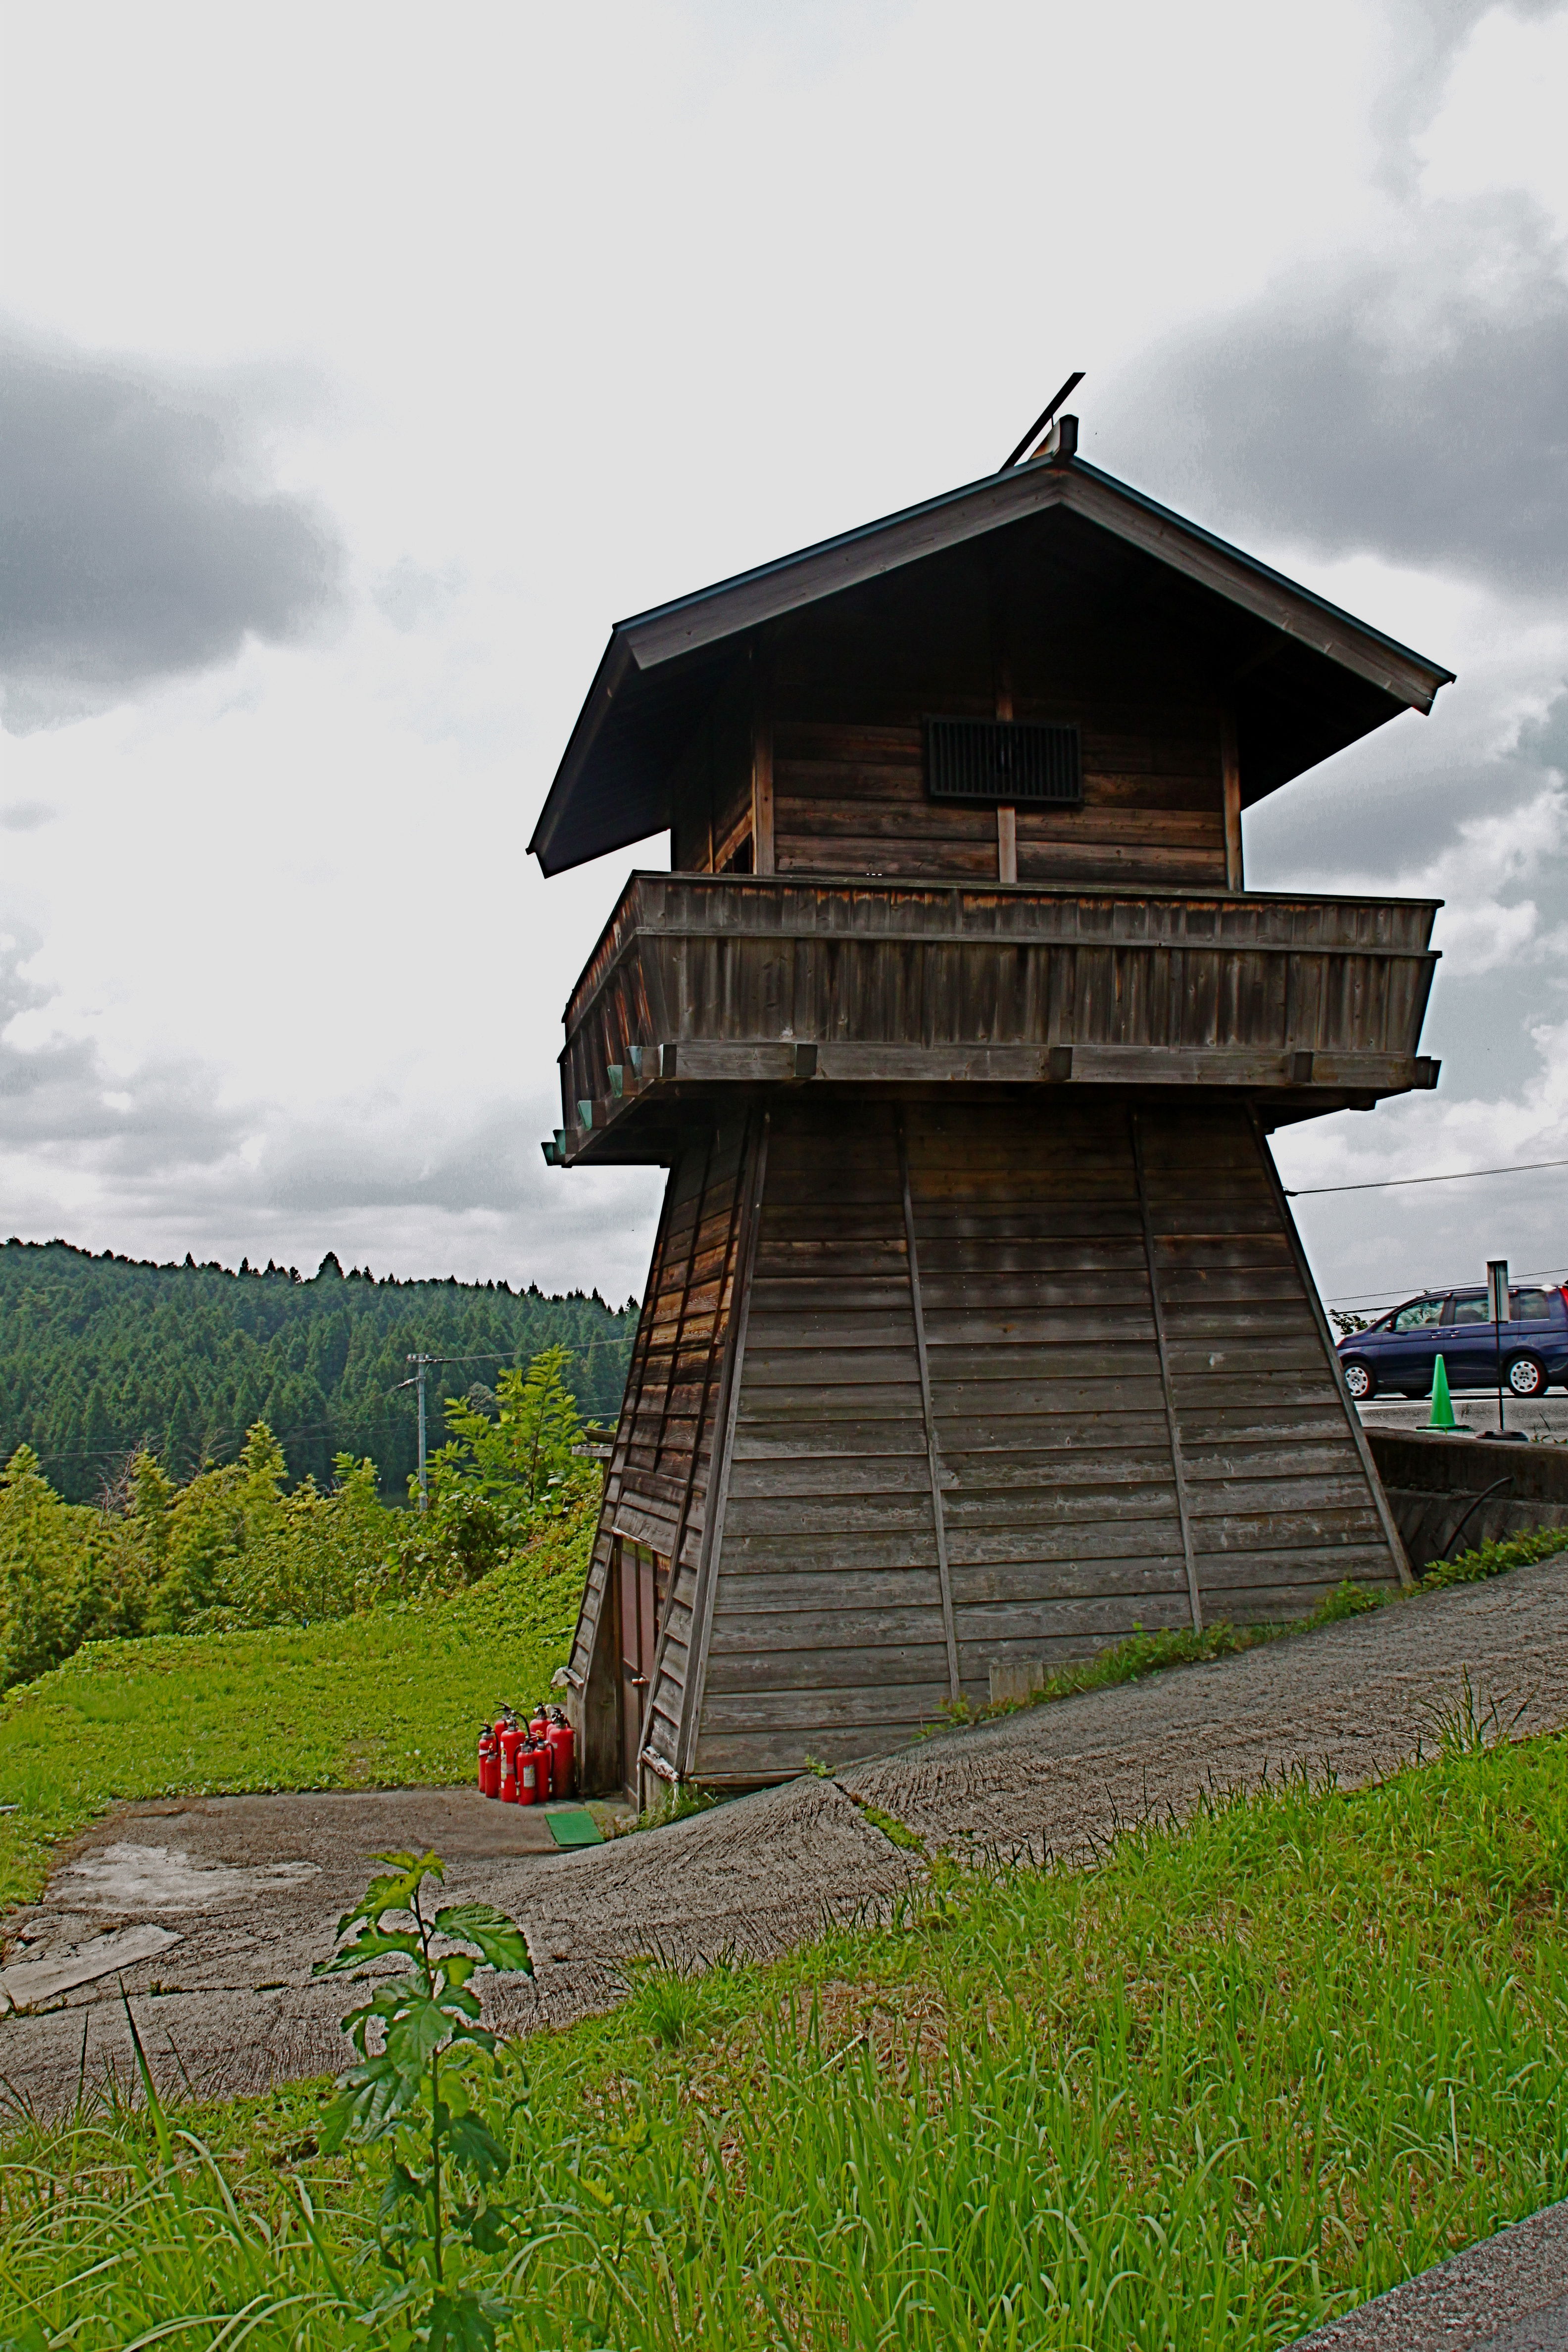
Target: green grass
<point>1243,2074</point>
<point>376,1701</point>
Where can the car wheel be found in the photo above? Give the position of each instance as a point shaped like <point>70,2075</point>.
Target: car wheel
<point>1526,1378</point>
<point>1360,1379</point>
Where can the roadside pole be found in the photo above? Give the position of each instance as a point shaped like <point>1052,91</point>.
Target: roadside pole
<point>1497,1299</point>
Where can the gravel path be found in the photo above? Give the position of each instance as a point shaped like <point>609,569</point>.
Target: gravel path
<point>1355,1701</point>
<point>239,1895</point>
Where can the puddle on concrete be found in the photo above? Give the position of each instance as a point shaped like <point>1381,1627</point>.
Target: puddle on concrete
<point>163,1878</point>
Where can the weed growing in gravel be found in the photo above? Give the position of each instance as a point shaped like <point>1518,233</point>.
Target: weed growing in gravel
<point>673,1805</point>
<point>896,1832</point>
<point>1151,1653</point>
<point>1494,1558</point>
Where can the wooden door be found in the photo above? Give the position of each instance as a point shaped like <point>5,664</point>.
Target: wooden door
<point>640,1587</point>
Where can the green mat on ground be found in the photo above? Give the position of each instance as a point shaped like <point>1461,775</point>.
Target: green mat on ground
<point>575,1828</point>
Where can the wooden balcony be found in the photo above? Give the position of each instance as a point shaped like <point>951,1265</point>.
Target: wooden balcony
<point>702,982</point>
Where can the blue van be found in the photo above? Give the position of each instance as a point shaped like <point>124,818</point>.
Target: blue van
<point>1398,1351</point>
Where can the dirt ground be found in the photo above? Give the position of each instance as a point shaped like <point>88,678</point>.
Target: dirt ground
<point>211,1911</point>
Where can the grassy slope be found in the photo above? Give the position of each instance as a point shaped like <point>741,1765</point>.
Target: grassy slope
<point>366,1702</point>
<point>1245,2073</point>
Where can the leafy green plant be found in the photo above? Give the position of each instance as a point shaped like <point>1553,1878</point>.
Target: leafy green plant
<point>1490,1560</point>
<point>1347,1599</point>
<point>415,2094</point>
<point>523,1454</point>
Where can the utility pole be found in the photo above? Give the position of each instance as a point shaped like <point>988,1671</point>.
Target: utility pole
<point>421,1365</point>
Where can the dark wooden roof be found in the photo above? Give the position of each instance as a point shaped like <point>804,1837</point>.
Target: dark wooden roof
<point>1307,678</point>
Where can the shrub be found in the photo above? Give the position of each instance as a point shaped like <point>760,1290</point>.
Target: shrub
<point>1494,1558</point>
<point>231,1550</point>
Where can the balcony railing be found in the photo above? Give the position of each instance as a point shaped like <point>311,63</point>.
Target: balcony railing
<point>703,982</point>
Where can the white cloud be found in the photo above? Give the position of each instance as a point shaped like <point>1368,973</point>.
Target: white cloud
<point>1480,929</point>
<point>1502,120</point>
<point>597,305</point>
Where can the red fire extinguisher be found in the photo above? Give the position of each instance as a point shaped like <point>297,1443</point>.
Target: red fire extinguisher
<point>511,1740</point>
<point>538,1732</point>
<point>562,1740</point>
<point>487,1758</point>
<point>531,1768</point>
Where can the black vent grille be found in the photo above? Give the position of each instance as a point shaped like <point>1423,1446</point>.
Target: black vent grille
<point>1002,760</point>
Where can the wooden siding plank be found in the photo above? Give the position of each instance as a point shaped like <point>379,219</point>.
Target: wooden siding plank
<point>933,1456</point>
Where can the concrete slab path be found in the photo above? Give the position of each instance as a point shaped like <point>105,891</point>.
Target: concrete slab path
<point>252,1887</point>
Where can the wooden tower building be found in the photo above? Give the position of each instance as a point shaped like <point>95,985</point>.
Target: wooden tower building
<point>977,1330</point>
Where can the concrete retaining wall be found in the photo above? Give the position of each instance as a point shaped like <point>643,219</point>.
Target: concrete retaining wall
<point>1433,1480</point>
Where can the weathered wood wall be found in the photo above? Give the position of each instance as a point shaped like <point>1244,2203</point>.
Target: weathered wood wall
<point>850,799</point>
<point>842,692</point>
<point>1134,1415</point>
<point>699,961</point>
<point>988,1384</point>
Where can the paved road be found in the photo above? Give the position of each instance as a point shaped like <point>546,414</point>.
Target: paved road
<point>1547,1417</point>
<point>238,1895</point>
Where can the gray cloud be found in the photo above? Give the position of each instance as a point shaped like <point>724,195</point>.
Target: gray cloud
<point>57,1097</point>
<point>1489,835</point>
<point>1392,804</point>
<point>27,816</point>
<point>140,537</point>
<point>1414,408</point>
<point>155,1168</point>
<point>164,1158</point>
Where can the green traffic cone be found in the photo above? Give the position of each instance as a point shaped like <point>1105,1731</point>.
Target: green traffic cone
<point>1442,1403</point>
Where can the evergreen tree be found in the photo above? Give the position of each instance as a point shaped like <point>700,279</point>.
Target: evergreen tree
<point>100,1357</point>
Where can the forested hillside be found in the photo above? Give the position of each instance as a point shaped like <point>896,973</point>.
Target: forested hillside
<point>100,1356</point>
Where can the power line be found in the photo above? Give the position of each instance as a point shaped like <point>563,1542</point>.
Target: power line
<point>1458,1281</point>
<point>1457,1176</point>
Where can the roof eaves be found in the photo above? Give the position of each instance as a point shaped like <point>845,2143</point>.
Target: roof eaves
<point>864,553</point>
<point>1404,673</point>
<point>770,590</point>
<point>615,662</point>
<point>746,599</point>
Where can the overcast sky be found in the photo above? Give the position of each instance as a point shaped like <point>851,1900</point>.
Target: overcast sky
<point>360,364</point>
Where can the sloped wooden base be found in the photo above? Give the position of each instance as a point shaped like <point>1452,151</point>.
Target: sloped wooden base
<point>986,1385</point>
